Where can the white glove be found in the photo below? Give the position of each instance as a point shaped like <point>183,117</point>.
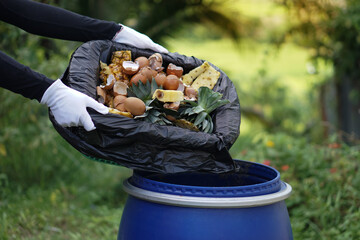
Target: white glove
<point>131,37</point>
<point>69,106</point>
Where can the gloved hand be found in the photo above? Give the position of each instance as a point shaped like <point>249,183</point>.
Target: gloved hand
<point>69,106</point>
<point>131,37</point>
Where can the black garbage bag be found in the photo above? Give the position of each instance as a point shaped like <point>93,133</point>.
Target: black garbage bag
<point>140,145</point>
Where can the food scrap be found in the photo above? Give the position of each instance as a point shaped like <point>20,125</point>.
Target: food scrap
<point>147,89</point>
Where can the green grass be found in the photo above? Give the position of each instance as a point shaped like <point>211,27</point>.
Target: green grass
<point>53,192</point>
<point>48,190</point>
<point>325,179</point>
<point>64,212</point>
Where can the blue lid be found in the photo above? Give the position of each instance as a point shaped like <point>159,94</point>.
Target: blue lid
<point>250,179</point>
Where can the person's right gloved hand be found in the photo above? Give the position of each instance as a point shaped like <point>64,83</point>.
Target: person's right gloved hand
<point>131,37</point>
<point>69,106</point>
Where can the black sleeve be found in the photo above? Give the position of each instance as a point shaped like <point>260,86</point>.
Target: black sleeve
<point>47,21</point>
<point>21,79</point>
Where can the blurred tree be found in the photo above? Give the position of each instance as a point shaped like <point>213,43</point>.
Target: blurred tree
<point>155,18</point>
<point>332,30</point>
<point>163,18</point>
<point>159,18</point>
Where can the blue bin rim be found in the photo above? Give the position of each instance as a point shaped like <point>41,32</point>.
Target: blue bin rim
<point>208,202</point>
<point>271,185</point>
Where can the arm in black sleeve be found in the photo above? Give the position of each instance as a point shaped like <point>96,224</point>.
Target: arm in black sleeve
<point>21,79</point>
<point>49,21</point>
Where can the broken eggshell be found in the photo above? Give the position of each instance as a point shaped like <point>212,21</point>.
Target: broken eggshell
<point>172,69</point>
<point>119,103</point>
<point>190,93</point>
<point>130,67</point>
<point>181,87</point>
<point>120,88</point>
<point>155,62</point>
<point>101,94</point>
<point>173,106</point>
<point>110,81</point>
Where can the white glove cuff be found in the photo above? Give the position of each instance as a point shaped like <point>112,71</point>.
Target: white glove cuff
<point>131,37</point>
<point>116,36</point>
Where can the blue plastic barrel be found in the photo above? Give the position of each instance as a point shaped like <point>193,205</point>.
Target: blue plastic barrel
<point>247,205</point>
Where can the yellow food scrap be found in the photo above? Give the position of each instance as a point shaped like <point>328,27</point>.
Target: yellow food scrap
<point>119,56</point>
<point>190,77</point>
<point>105,68</point>
<point>168,95</point>
<point>125,114</point>
<point>186,124</point>
<point>115,67</point>
<point>117,59</point>
<point>104,72</point>
<point>207,79</point>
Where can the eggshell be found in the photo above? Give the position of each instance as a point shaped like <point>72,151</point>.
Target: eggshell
<point>135,106</point>
<point>110,81</point>
<point>101,93</point>
<point>130,67</point>
<point>173,106</point>
<point>119,103</point>
<point>191,92</point>
<point>160,79</point>
<point>156,61</point>
<point>142,61</point>
<point>172,82</point>
<point>120,88</point>
<point>147,72</point>
<point>174,70</point>
<point>136,78</point>
<point>181,87</point>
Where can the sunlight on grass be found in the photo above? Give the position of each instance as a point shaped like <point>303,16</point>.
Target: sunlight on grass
<point>288,64</point>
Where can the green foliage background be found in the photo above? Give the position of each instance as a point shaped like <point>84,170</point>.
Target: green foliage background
<point>50,191</point>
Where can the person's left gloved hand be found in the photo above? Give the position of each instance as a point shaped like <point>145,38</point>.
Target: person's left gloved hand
<point>131,37</point>
<point>69,106</point>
